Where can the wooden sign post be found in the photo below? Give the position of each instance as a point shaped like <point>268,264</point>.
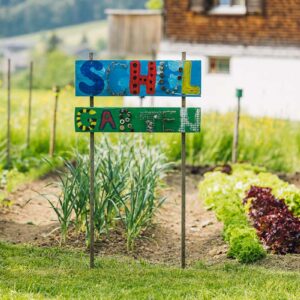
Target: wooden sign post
<point>137,78</point>
<point>92,187</point>
<point>183,183</point>
<point>239,95</point>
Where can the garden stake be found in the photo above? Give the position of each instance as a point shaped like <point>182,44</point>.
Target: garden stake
<point>92,189</point>
<point>183,156</point>
<point>53,131</point>
<point>239,95</point>
<point>8,114</point>
<point>29,105</point>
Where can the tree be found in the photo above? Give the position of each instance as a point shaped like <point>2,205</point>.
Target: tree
<point>84,40</point>
<point>53,42</point>
<point>155,4</point>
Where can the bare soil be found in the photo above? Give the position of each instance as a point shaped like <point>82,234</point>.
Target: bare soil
<point>30,219</point>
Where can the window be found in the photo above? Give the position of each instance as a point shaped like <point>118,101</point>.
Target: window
<point>229,2</point>
<point>228,7</point>
<point>219,65</point>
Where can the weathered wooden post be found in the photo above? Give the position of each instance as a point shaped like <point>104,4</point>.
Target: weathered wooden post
<point>56,91</point>
<point>8,113</point>
<point>29,105</point>
<point>239,95</point>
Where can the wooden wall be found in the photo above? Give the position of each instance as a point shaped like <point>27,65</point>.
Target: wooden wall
<point>277,25</point>
<point>134,32</point>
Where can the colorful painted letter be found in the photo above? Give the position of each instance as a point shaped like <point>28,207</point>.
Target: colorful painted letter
<point>88,119</point>
<point>138,78</point>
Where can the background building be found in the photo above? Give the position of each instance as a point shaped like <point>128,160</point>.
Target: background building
<point>253,44</point>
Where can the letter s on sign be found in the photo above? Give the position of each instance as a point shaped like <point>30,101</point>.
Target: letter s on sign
<point>86,71</point>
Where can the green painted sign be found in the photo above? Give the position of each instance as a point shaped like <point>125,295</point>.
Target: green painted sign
<point>148,119</point>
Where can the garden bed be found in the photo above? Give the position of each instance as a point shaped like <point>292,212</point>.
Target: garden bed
<point>31,220</point>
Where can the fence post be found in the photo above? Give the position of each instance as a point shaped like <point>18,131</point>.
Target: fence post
<point>56,91</point>
<point>239,95</point>
<point>183,175</point>
<point>29,105</point>
<point>8,113</point>
<point>92,188</point>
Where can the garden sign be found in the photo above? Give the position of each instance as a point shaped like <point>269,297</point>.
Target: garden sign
<point>170,78</point>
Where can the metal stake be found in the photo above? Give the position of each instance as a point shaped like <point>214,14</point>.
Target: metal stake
<point>92,187</point>
<point>29,105</point>
<point>8,113</point>
<point>239,94</point>
<point>183,157</point>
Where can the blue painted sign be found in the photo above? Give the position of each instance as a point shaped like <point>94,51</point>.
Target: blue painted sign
<point>138,78</point>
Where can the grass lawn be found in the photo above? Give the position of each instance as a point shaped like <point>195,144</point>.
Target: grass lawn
<point>35,273</point>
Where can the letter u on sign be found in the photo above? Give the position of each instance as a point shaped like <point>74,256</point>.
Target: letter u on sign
<point>169,78</point>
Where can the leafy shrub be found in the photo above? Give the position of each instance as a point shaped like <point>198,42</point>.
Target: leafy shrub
<point>146,169</point>
<point>225,193</point>
<point>218,191</point>
<point>244,245</point>
<point>275,224</point>
<point>244,176</point>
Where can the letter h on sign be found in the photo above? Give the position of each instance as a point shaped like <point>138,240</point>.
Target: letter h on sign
<point>136,79</point>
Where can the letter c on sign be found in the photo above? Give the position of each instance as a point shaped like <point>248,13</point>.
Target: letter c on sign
<point>86,71</point>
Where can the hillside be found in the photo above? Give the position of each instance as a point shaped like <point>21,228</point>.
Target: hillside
<point>74,41</point>
<point>71,36</point>
<point>25,16</point>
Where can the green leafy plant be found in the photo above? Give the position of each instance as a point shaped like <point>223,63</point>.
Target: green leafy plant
<point>225,193</point>
<point>127,175</point>
<point>244,245</point>
<point>63,204</point>
<point>140,204</point>
<point>78,171</point>
<point>220,194</point>
<point>112,175</point>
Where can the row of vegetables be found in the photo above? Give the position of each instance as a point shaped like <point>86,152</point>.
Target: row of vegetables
<point>260,212</point>
<point>127,176</point>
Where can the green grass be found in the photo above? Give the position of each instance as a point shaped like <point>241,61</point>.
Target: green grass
<point>33,273</point>
<point>29,164</point>
<point>272,143</point>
